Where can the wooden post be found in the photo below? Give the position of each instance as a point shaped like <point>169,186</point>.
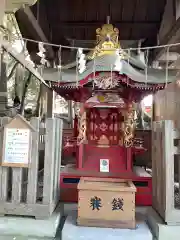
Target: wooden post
<point>163,170</point>
<point>168,150</point>
<point>3,170</point>
<point>50,103</point>
<point>3,82</point>
<point>57,166</point>
<point>56,159</point>
<point>70,113</point>
<point>33,168</point>
<point>3,79</point>
<point>49,162</point>
<point>153,139</point>
<point>43,100</point>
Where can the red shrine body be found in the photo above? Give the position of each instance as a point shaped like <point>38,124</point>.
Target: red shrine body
<point>107,89</point>
<point>102,123</point>
<point>104,133</point>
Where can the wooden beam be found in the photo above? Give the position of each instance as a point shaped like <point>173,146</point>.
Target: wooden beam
<point>3,82</point>
<point>38,32</point>
<point>177,9</point>
<point>100,23</point>
<point>168,19</point>
<point>131,31</point>
<point>173,36</point>
<point>144,27</point>
<point>2,10</point>
<point>21,59</point>
<point>14,5</point>
<point>169,32</point>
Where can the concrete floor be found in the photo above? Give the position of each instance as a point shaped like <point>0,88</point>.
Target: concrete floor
<point>26,228</point>
<point>68,209</point>
<point>71,231</point>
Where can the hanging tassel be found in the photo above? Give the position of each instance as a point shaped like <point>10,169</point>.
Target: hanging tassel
<point>41,54</point>
<point>167,66</point>
<point>59,64</point>
<point>79,52</point>
<point>25,52</point>
<point>81,61</point>
<point>129,54</point>
<point>146,68</point>
<point>177,76</point>
<point>77,70</point>
<point>94,73</point>
<point>111,75</point>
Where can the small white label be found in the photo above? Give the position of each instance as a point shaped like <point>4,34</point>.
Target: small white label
<point>104,165</point>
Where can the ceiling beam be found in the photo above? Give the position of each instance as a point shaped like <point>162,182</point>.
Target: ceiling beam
<point>87,29</point>
<point>14,5</point>
<point>172,37</point>
<point>9,6</point>
<point>20,57</point>
<point>169,32</point>
<point>100,23</point>
<point>36,30</point>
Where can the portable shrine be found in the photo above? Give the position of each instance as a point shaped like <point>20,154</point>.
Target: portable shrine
<point>106,87</point>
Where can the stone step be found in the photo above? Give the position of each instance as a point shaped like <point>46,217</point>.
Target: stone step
<point>24,228</point>
<point>160,230</point>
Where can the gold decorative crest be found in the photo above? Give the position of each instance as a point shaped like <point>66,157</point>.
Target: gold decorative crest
<point>108,31</point>
<point>107,40</point>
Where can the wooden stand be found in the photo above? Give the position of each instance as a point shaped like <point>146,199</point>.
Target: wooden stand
<point>106,203</point>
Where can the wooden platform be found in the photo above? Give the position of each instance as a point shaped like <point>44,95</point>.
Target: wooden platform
<point>70,169</point>
<point>105,223</point>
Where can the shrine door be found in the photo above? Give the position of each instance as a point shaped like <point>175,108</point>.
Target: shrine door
<point>103,126</point>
